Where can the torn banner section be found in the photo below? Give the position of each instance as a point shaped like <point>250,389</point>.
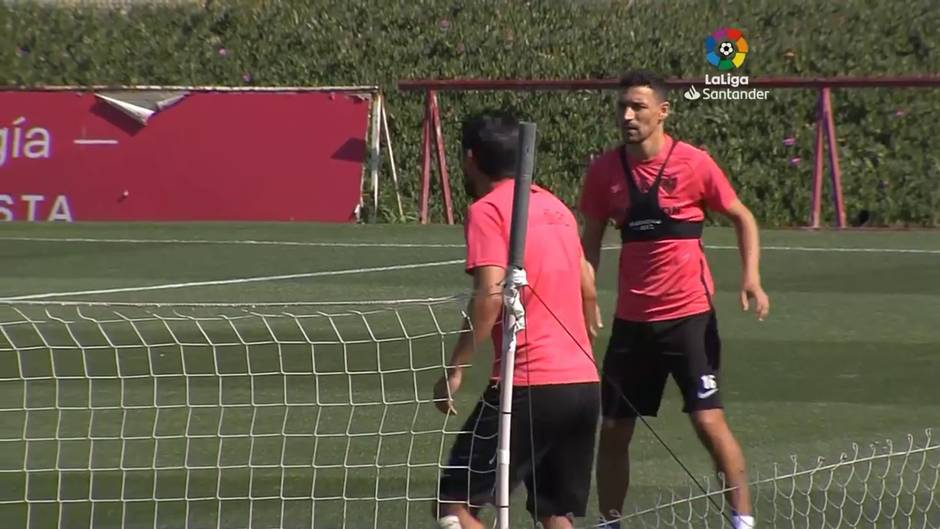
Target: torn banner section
<point>141,106</point>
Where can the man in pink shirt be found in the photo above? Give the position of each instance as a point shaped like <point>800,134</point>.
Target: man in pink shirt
<point>656,190</point>
<point>556,393</point>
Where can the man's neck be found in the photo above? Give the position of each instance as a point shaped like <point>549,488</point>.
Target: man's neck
<point>488,184</point>
<point>647,148</point>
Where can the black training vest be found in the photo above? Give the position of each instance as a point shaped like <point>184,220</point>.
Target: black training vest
<point>645,220</point>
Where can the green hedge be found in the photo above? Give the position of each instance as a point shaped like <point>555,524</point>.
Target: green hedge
<point>887,137</point>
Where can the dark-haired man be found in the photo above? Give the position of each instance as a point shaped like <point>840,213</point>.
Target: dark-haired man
<point>656,189</point>
<point>556,395</point>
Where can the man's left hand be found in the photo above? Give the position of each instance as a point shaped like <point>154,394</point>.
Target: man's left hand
<point>751,289</point>
<point>445,390</point>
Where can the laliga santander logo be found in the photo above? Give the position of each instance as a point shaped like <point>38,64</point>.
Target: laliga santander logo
<point>726,49</point>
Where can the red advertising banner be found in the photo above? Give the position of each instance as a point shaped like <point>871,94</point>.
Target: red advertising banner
<point>239,156</point>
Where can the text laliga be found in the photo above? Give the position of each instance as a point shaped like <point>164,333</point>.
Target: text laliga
<point>33,205</point>
<point>726,79</point>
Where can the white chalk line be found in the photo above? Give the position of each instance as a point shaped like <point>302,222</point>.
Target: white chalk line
<point>236,281</point>
<point>248,242</point>
<point>831,249</point>
<point>242,304</point>
<point>345,271</point>
<point>340,244</point>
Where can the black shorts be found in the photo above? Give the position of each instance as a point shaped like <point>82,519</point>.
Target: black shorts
<point>557,473</point>
<point>641,355</point>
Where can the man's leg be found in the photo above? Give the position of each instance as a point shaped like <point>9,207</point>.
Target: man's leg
<point>613,465</point>
<point>469,477</point>
<point>456,516</point>
<point>556,522</point>
<point>565,433</point>
<point>696,367</point>
<point>632,382</point>
<point>716,436</point>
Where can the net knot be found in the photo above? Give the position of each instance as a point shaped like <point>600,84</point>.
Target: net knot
<point>512,298</point>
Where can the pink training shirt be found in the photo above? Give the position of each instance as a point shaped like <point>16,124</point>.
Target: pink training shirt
<point>665,279</point>
<point>548,351</point>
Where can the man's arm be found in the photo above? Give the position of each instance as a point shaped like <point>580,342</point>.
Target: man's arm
<point>483,309</point>
<point>592,234</point>
<point>592,313</point>
<point>749,246</point>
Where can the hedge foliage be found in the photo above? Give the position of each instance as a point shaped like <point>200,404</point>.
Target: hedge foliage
<point>887,137</point>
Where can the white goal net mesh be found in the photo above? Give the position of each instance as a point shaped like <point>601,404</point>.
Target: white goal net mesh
<point>884,486</point>
<point>223,416</point>
<point>319,416</point>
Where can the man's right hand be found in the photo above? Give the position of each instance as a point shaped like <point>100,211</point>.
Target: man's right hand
<point>593,320</point>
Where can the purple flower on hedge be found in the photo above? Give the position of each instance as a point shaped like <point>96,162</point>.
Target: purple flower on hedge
<point>795,160</point>
<point>789,142</point>
<point>247,78</point>
<point>223,52</point>
<point>444,24</point>
<point>22,51</point>
<point>900,113</point>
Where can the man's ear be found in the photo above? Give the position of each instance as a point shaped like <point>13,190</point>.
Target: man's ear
<point>468,157</point>
<point>664,109</point>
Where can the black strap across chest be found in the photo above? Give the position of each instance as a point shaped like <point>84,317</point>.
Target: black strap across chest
<point>645,219</point>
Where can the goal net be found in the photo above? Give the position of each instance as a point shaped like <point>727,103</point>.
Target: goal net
<point>885,486</point>
<point>221,416</point>
<point>121,415</point>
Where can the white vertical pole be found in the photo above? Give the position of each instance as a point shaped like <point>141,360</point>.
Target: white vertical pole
<point>513,313</point>
<point>374,153</point>
<point>391,160</point>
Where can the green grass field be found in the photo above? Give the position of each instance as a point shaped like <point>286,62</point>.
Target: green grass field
<point>849,354</point>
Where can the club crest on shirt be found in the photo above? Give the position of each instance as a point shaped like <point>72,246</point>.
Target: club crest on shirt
<point>668,183</point>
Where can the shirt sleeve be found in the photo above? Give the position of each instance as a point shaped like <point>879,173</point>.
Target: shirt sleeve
<point>486,239</point>
<point>719,195</point>
<point>594,202</point>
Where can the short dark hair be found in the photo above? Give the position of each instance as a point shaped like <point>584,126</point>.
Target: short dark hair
<point>493,138</point>
<point>645,78</point>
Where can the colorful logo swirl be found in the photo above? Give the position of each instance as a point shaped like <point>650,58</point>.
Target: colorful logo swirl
<point>726,49</point>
